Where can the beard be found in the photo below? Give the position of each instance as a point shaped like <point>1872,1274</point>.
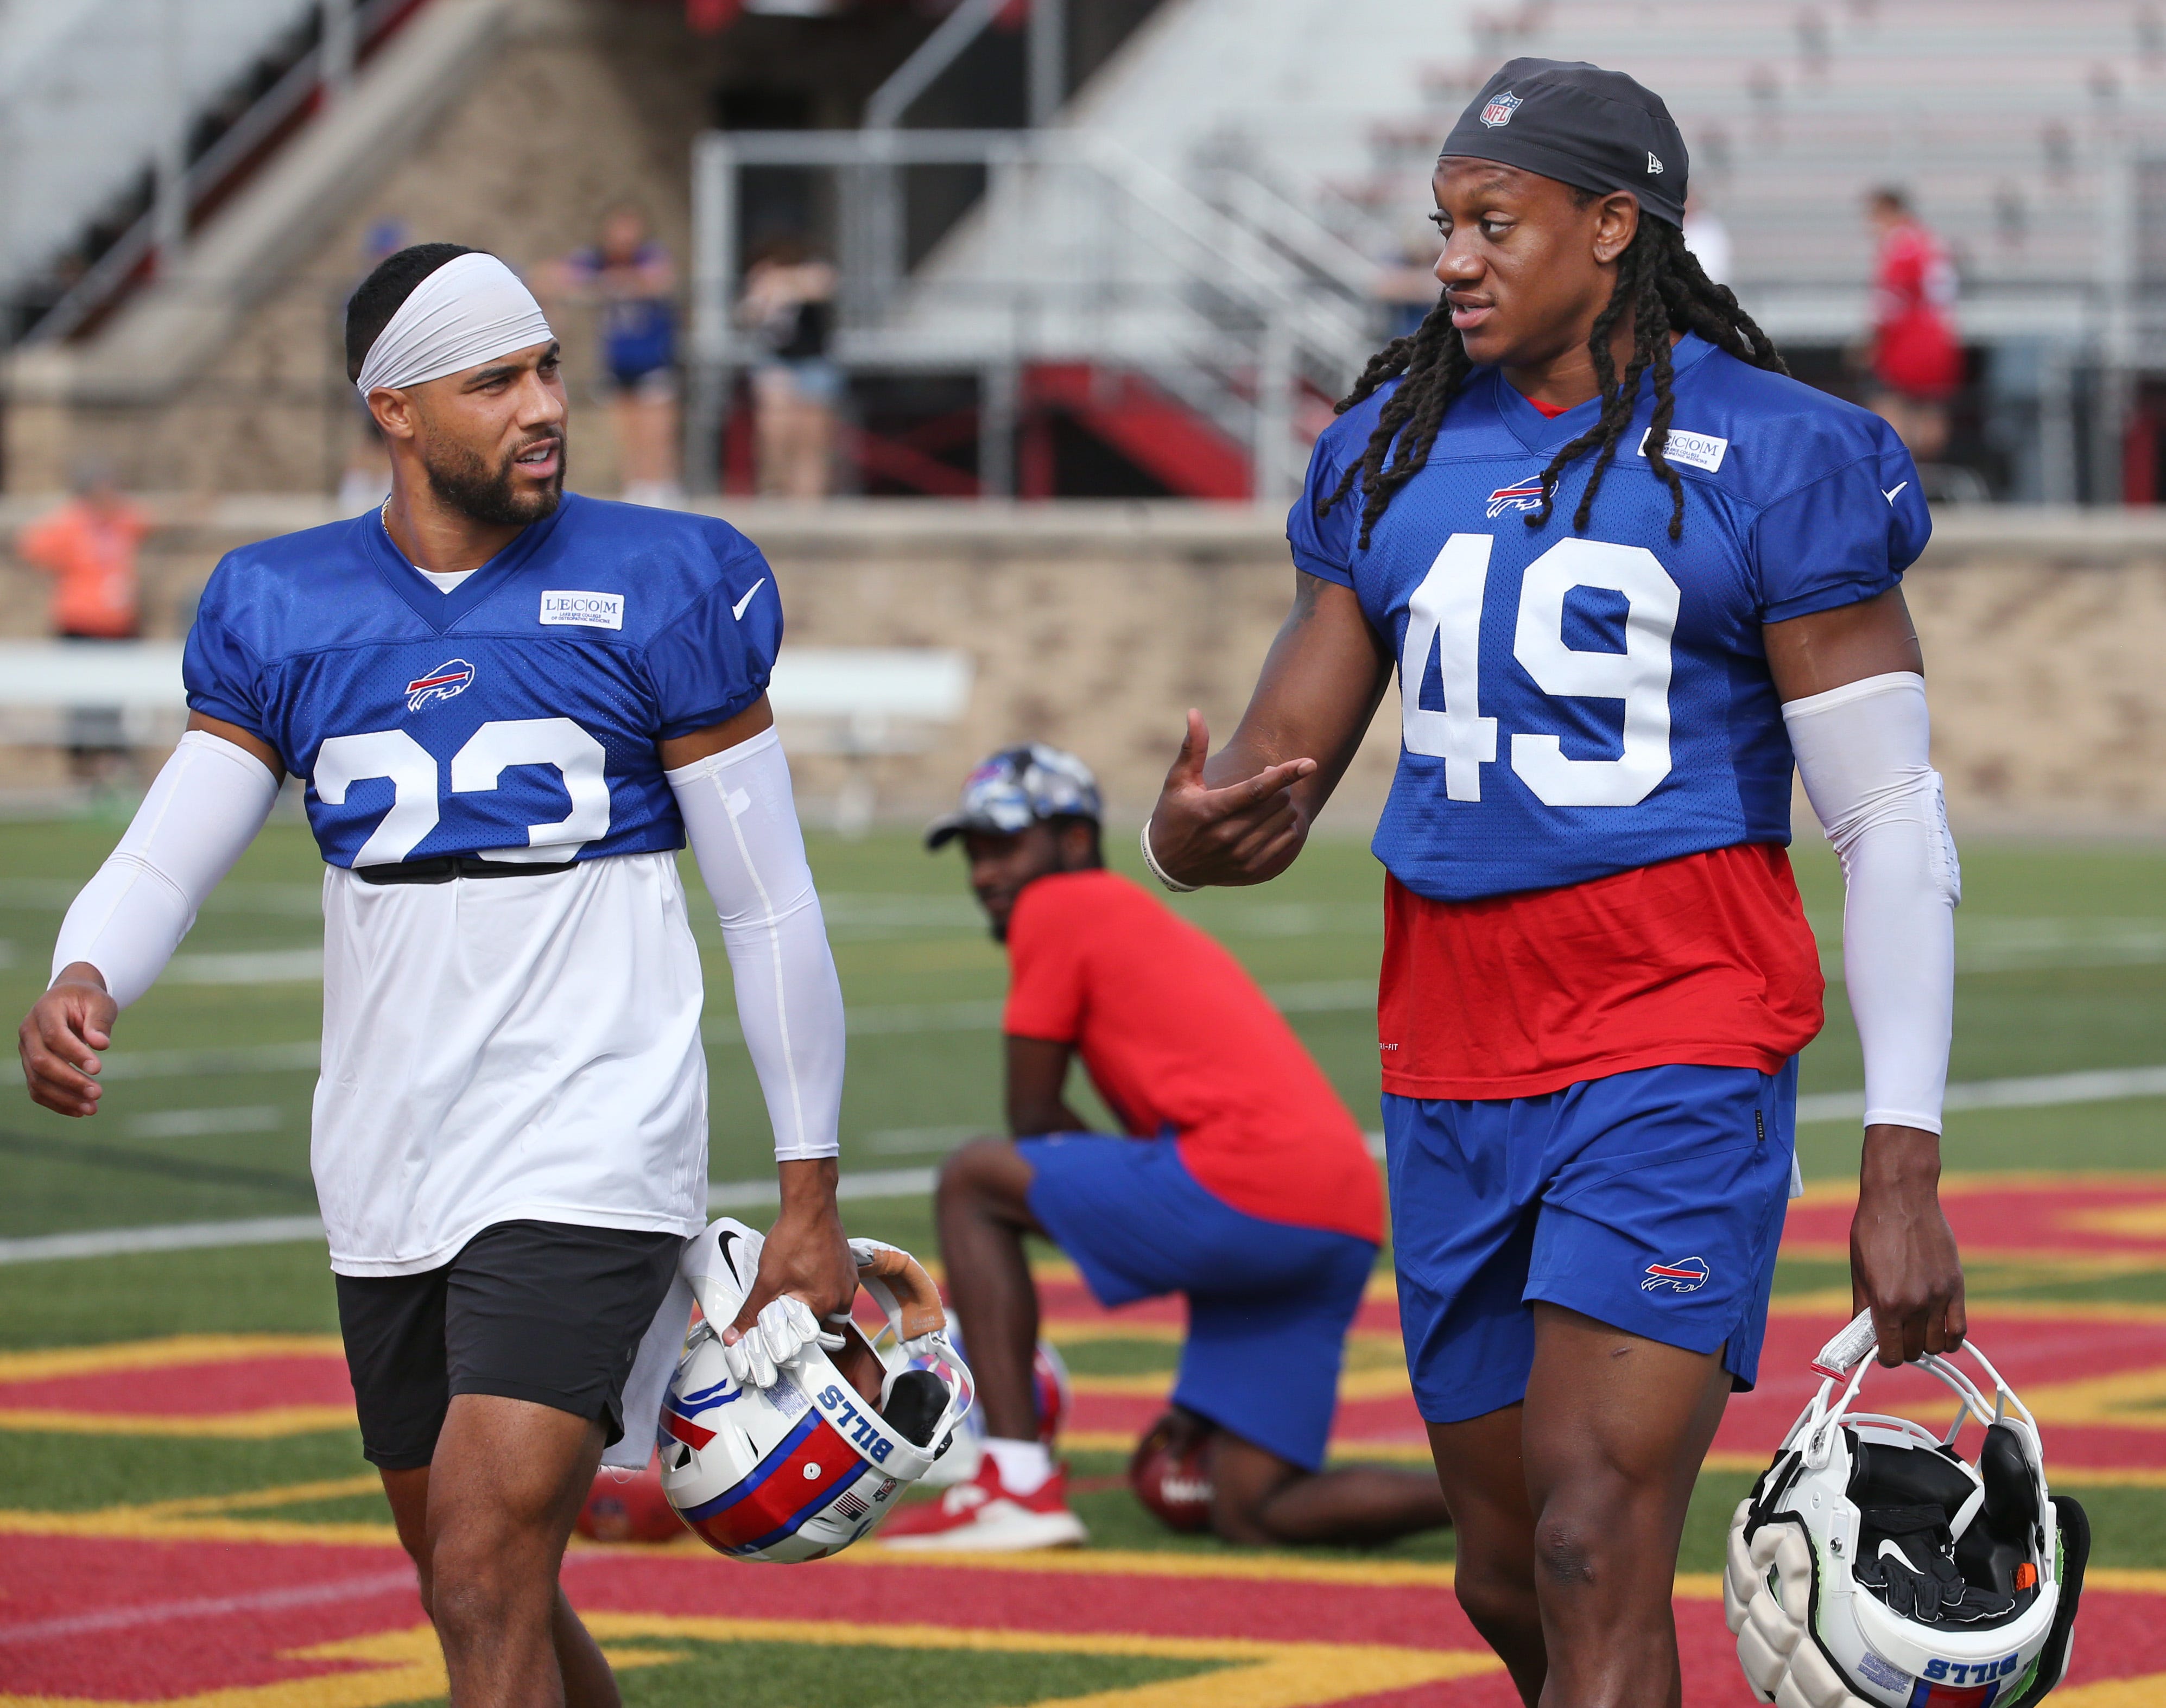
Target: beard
<point>470,484</point>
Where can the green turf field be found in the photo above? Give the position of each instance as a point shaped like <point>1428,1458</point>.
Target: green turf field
<point>2063,957</point>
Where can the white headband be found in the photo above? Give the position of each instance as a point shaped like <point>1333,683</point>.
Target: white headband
<point>471,308</point>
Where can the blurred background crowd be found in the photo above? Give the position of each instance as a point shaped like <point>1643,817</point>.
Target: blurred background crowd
<point>950,251</point>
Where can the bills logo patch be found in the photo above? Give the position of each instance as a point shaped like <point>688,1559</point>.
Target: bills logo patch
<point>1527,495</point>
<point>1498,113</point>
<point>1686,1275</point>
<point>446,682</point>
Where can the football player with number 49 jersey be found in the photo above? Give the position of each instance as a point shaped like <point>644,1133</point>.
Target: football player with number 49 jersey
<point>1629,574</point>
<point>509,708</point>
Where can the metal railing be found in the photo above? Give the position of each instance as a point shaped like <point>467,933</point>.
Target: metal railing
<point>323,69</point>
<point>1223,292</point>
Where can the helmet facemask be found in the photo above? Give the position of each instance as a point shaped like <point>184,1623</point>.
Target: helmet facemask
<point>1871,1559</point>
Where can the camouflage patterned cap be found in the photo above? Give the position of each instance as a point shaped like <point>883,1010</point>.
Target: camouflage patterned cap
<point>1017,788</point>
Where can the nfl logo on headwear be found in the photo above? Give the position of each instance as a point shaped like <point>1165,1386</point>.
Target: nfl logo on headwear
<point>1499,110</point>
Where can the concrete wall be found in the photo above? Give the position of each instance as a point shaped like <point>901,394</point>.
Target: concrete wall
<point>1094,625</point>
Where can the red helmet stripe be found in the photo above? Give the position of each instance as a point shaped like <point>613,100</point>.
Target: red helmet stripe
<point>806,1471</point>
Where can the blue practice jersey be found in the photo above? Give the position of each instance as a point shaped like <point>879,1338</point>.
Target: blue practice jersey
<point>1576,706</point>
<point>514,717</point>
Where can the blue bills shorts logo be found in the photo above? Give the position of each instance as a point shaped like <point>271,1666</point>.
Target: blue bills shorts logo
<point>446,682</point>
<point>1498,113</point>
<point>1686,1275</point>
<point>1527,495</point>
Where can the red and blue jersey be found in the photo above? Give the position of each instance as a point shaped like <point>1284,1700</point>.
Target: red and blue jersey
<point>1576,706</point>
<point>514,718</point>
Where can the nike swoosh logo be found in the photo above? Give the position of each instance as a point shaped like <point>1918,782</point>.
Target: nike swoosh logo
<point>738,610</point>
<point>1889,495</point>
<point>722,1239</point>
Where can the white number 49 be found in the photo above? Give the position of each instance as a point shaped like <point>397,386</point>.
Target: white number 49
<point>1444,618</point>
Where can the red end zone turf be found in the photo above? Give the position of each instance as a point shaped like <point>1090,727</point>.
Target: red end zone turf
<point>245,1626</point>
<point>221,1605</point>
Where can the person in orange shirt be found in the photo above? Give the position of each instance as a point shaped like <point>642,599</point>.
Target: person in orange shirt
<point>1239,1180</point>
<point>89,546</point>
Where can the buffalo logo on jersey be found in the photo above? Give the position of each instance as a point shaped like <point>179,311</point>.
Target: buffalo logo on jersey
<point>1525,495</point>
<point>447,681</point>
<point>1498,113</point>
<point>1686,1275</point>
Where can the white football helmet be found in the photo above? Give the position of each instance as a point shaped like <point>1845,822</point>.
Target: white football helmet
<point>802,1467</point>
<point>1871,1565</point>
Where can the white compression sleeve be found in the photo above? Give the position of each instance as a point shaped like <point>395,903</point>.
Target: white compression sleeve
<point>205,807</point>
<point>1863,752</point>
<point>741,820</point>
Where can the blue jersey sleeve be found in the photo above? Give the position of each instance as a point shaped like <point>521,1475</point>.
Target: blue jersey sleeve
<point>1323,546</point>
<point>225,680</point>
<point>714,659</point>
<point>1845,537</point>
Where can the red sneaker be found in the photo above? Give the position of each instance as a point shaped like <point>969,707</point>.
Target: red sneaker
<point>982,1516</point>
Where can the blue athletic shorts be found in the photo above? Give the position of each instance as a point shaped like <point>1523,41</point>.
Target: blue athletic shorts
<point>1651,1200</point>
<point>1269,1304</point>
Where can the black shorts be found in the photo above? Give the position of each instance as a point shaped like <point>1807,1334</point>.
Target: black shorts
<point>535,1310</point>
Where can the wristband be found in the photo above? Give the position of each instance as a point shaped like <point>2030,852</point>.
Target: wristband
<point>1160,872</point>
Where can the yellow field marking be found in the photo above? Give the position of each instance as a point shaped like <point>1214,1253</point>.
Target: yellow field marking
<point>49,1362</point>
<point>1254,1673</point>
<point>256,1499</point>
<point>136,1523</point>
<point>1969,1180</point>
<point>269,1424</point>
<point>2047,1263</point>
<point>2140,1222</point>
<point>170,1352</point>
<point>403,1666</point>
<point>406,1666</point>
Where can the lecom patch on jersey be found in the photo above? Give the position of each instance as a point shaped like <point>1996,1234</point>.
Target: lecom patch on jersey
<point>1693,450</point>
<point>599,610</point>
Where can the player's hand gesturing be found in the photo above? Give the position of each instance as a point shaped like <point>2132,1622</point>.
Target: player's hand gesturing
<point>60,1037</point>
<point>1243,833</point>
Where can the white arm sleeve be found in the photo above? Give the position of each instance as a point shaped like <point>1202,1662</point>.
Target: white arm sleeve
<point>1863,752</point>
<point>205,807</point>
<point>741,820</point>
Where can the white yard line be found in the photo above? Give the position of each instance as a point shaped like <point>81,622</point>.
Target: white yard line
<point>209,1607</point>
<point>2040,1091</point>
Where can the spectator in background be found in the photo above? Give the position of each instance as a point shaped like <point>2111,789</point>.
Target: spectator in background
<point>88,546</point>
<point>1916,359</point>
<point>789,305</point>
<point>631,279</point>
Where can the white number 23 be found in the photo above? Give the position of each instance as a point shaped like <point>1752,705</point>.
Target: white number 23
<point>410,769</point>
<point>1444,617</point>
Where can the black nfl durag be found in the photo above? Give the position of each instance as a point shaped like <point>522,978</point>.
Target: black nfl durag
<point>1593,129</point>
<point>470,310</point>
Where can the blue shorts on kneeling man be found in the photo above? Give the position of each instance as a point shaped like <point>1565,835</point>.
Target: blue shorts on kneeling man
<point>1269,1303</point>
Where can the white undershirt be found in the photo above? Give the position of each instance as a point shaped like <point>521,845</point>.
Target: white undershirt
<point>446,580</point>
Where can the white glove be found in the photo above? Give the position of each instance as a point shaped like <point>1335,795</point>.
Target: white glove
<point>778,1340</point>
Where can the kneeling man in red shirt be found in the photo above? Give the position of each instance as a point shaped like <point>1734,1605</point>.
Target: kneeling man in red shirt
<point>1239,1181</point>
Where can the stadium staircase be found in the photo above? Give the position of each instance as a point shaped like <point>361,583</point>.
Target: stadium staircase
<point>1167,265</point>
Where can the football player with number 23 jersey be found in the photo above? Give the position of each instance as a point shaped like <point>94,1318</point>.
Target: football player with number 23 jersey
<point>1628,574</point>
<point>509,710</point>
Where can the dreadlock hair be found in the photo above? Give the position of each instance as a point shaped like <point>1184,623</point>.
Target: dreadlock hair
<point>1664,289</point>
